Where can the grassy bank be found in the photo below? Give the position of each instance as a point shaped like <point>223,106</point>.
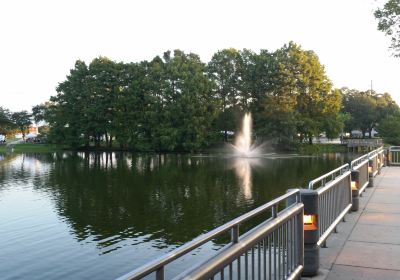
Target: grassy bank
<point>321,148</point>
<point>33,148</point>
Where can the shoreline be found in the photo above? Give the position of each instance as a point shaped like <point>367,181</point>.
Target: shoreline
<point>42,148</point>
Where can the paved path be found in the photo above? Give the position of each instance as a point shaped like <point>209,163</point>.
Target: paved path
<point>367,246</point>
<point>10,145</point>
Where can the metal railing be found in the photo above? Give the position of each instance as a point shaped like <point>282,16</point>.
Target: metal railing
<point>334,199</point>
<point>394,155</point>
<point>273,248</point>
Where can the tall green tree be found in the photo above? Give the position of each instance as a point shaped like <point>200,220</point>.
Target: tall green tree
<point>389,22</point>
<point>22,120</point>
<point>5,121</point>
<point>226,72</point>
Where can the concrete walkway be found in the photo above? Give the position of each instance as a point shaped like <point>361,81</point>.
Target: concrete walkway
<point>10,145</point>
<point>367,245</point>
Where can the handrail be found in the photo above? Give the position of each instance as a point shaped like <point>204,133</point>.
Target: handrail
<point>360,160</point>
<point>334,200</point>
<point>159,263</point>
<point>332,174</point>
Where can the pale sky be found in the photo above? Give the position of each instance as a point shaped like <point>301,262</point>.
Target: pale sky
<point>41,40</point>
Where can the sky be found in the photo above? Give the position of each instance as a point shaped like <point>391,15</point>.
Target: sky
<point>41,40</point>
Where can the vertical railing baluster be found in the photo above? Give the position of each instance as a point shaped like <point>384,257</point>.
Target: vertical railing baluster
<point>270,256</point>
<point>246,265</point>
<point>252,263</point>
<point>235,234</point>
<point>265,257</point>
<point>160,273</point>
<point>259,260</point>
<point>238,269</point>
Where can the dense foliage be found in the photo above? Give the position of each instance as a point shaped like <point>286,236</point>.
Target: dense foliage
<point>389,22</point>
<point>11,123</point>
<point>178,103</point>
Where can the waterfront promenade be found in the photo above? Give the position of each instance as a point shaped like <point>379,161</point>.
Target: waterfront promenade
<point>367,245</point>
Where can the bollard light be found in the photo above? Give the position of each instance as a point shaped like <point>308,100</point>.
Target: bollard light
<point>370,173</point>
<point>310,222</point>
<point>355,185</point>
<point>311,235</point>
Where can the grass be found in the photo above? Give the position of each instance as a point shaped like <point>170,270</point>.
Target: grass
<point>33,148</point>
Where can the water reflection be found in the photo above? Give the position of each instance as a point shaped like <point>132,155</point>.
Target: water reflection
<point>141,204</point>
<point>243,169</point>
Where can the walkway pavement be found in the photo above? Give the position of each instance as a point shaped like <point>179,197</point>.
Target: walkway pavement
<point>367,245</point>
<point>10,145</point>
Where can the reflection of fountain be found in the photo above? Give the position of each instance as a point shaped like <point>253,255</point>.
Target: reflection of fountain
<point>243,172</point>
<point>243,145</point>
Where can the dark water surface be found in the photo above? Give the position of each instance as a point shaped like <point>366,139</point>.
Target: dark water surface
<point>99,215</point>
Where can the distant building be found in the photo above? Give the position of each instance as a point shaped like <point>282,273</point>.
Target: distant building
<point>358,133</point>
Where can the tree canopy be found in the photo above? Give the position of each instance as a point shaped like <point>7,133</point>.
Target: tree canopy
<point>176,102</point>
<point>389,22</point>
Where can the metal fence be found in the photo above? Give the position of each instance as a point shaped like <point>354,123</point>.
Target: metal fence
<point>271,250</point>
<point>394,155</point>
<point>274,249</point>
<point>334,199</point>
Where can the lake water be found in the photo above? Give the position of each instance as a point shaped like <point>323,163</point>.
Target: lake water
<point>99,215</point>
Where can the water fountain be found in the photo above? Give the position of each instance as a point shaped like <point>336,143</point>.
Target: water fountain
<point>243,142</point>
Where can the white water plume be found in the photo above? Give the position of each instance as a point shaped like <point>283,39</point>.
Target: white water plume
<point>243,141</point>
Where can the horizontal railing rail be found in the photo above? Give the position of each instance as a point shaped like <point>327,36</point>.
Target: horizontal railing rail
<point>158,265</point>
<point>328,177</point>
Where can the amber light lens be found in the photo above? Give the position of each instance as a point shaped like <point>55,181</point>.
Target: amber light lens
<point>370,169</point>
<point>307,219</point>
<point>354,185</point>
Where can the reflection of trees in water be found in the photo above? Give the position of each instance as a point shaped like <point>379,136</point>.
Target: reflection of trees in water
<point>109,197</point>
<point>170,198</point>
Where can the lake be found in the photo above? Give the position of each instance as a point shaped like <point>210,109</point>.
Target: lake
<point>76,215</point>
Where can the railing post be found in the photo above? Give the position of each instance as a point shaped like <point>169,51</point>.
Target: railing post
<point>160,273</point>
<point>311,232</point>
<point>235,234</point>
<point>371,173</point>
<point>355,185</point>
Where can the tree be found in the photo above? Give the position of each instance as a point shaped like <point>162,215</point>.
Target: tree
<point>22,120</point>
<point>298,91</point>
<point>389,129</point>
<point>5,121</point>
<point>389,22</point>
<point>366,109</point>
<point>225,70</point>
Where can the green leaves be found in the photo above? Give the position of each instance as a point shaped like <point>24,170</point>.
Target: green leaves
<point>22,120</point>
<point>175,102</point>
<point>389,22</point>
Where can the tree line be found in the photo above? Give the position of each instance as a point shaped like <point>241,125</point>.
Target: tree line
<point>176,102</point>
<point>14,122</point>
